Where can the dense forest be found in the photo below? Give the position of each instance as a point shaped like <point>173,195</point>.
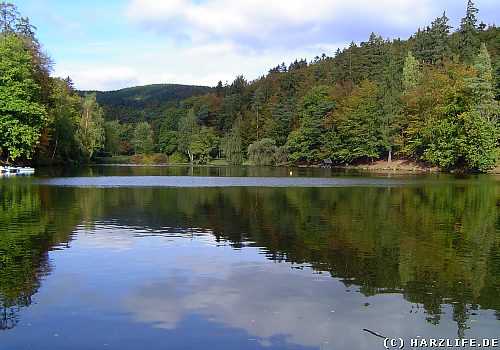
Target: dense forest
<point>433,97</point>
<point>144,102</point>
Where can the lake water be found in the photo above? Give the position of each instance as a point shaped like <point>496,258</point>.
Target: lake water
<point>122,257</point>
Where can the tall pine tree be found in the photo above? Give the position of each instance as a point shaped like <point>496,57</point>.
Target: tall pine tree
<point>482,86</point>
<point>439,33</point>
<point>468,43</point>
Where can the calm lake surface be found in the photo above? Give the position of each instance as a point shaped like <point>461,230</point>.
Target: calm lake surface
<point>123,257</point>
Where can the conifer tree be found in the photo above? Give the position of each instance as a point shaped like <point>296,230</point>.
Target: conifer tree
<point>468,44</point>
<point>439,34</point>
<point>422,44</point>
<point>375,57</point>
<point>390,104</point>
<point>482,86</point>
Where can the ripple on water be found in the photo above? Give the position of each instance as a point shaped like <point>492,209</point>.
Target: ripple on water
<point>207,181</point>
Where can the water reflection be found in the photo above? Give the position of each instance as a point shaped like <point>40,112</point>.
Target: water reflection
<point>249,181</point>
<point>405,260</point>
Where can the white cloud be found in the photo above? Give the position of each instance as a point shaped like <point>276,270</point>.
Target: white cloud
<point>269,23</point>
<point>102,78</point>
<point>267,300</point>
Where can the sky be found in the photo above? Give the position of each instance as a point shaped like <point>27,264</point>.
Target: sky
<point>113,44</point>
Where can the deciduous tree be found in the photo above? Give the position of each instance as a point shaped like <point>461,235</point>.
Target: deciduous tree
<point>262,152</point>
<point>204,144</point>
<point>90,129</point>
<point>22,116</point>
<point>142,142</point>
<point>188,129</point>
<point>232,147</point>
<point>354,129</point>
<point>65,113</point>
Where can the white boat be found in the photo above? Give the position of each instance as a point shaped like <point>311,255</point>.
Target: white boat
<point>7,170</point>
<point>25,170</point>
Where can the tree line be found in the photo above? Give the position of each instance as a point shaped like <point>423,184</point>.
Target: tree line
<point>41,117</point>
<point>433,97</point>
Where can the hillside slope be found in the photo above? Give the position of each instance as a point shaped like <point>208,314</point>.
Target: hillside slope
<point>128,105</point>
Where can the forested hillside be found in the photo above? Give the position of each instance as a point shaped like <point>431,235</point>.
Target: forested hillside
<point>138,103</point>
<point>433,97</point>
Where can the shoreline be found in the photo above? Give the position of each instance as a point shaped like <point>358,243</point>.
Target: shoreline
<point>396,165</point>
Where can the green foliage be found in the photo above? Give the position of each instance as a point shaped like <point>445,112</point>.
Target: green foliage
<point>440,143</point>
<point>171,118</point>
<point>453,123</point>
<point>429,116</point>
<point>198,142</point>
<point>281,155</point>
<point>304,142</point>
<point>232,147</point>
<point>230,109</point>
<point>149,102</point>
<point>142,158</point>
<point>496,80</point>
<point>390,101</point>
<point>375,57</point>
<point>11,21</point>
<point>168,141</point>
<point>482,86</point>
<point>279,124</point>
<point>439,33</point>
<point>177,158</point>
<point>90,128</point>
<point>40,115</point>
<point>355,127</point>
<point>478,143</point>
<point>262,152</point>
<point>205,142</point>
<point>432,44</point>
<point>188,129</point>
<point>22,117</point>
<point>410,72</point>
<point>112,136</point>
<point>64,112</point>
<point>468,34</point>
<point>142,142</point>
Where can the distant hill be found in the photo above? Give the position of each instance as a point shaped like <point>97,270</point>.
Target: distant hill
<point>144,102</point>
